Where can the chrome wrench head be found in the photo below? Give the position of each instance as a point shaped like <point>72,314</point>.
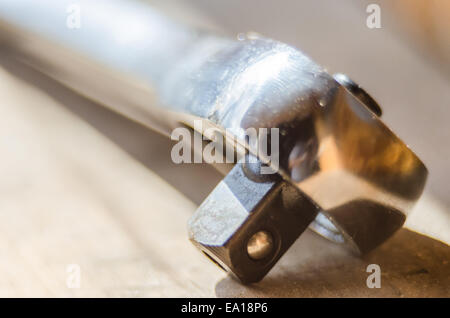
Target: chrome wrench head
<point>346,173</point>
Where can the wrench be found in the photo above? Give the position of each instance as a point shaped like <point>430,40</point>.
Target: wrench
<point>340,170</point>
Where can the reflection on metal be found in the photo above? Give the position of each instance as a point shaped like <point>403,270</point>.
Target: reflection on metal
<point>339,163</point>
<point>359,93</point>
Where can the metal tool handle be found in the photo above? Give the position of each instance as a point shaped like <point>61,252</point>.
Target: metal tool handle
<point>121,54</point>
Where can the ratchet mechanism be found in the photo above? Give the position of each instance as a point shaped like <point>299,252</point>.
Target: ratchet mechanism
<point>339,169</point>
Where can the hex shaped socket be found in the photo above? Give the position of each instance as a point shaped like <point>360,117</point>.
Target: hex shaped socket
<point>249,221</point>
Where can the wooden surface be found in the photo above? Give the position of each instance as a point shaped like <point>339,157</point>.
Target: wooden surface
<point>82,185</point>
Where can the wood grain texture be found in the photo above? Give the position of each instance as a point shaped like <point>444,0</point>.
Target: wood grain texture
<point>70,196</point>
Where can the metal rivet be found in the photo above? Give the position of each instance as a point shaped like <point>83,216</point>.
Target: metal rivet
<point>260,245</point>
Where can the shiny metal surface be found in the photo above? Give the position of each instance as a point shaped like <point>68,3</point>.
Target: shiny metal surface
<point>333,148</point>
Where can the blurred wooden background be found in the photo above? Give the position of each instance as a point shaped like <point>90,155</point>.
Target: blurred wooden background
<point>82,185</point>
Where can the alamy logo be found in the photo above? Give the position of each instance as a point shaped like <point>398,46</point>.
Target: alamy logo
<point>373,20</point>
<point>73,20</point>
<point>73,276</point>
<point>374,279</point>
<point>191,148</point>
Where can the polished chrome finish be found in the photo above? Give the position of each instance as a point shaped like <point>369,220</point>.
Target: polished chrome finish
<point>359,93</point>
<point>335,152</point>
